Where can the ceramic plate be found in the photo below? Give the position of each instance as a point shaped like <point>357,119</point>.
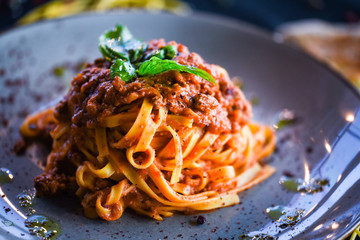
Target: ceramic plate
<point>37,63</point>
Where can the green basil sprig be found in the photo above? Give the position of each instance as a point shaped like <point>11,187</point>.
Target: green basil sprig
<point>130,61</point>
<point>156,65</point>
<point>167,52</point>
<point>119,43</point>
<point>124,70</point>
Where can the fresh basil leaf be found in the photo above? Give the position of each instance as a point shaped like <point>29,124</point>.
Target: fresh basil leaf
<point>119,43</point>
<point>123,69</point>
<point>167,52</point>
<point>156,65</point>
<point>111,51</point>
<point>135,49</point>
<point>110,42</point>
<point>127,54</point>
<point>116,52</point>
<point>170,51</point>
<point>159,53</point>
<point>105,52</point>
<point>119,33</point>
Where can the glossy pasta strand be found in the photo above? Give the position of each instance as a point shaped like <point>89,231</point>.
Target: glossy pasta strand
<point>207,178</point>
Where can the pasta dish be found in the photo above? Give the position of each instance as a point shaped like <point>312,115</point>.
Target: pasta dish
<point>151,127</point>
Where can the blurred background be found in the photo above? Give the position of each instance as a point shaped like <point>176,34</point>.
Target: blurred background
<point>265,13</point>
<point>329,30</point>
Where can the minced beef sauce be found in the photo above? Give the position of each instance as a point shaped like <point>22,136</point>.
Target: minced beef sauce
<point>220,108</point>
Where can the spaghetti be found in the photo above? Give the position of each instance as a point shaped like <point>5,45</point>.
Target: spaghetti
<point>160,144</point>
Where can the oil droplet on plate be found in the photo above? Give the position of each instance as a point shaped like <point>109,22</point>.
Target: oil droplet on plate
<point>284,118</point>
<point>256,236</point>
<point>284,215</point>
<point>43,227</point>
<point>299,185</point>
<point>7,223</point>
<point>5,176</point>
<point>59,71</point>
<point>26,199</point>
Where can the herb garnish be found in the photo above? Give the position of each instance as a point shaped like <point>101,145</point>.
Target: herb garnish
<point>119,43</point>
<point>129,60</point>
<point>123,69</point>
<point>156,65</point>
<point>167,52</point>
